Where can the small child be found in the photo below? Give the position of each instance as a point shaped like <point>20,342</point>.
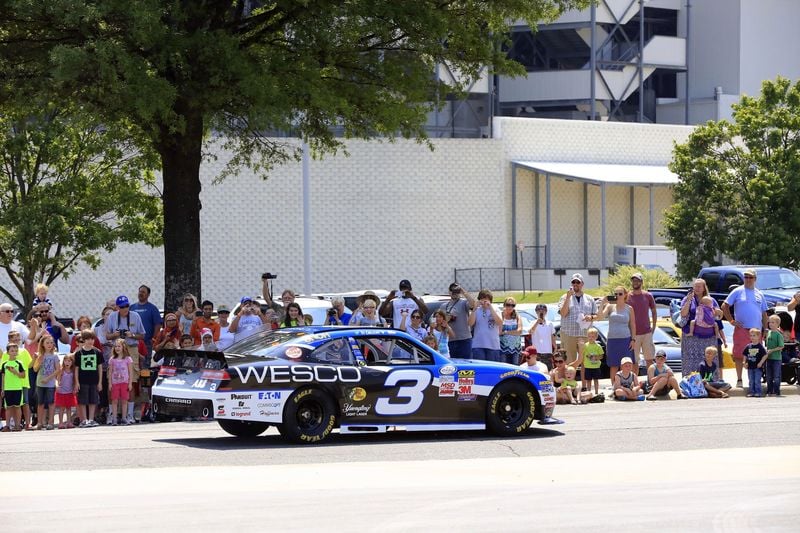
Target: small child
<point>592,356</point>
<point>774,357</point>
<point>430,340</point>
<point>207,338</point>
<point>12,373</point>
<point>120,370</point>
<point>48,367</point>
<point>89,362</point>
<point>569,386</point>
<point>41,295</point>
<point>626,384</point>
<point>65,392</point>
<point>704,318</point>
<point>709,372</point>
<point>755,356</point>
<point>187,342</point>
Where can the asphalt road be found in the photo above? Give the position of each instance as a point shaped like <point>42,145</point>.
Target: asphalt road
<point>727,465</point>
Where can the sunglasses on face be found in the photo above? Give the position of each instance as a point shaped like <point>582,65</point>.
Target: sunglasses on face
<point>749,277</point>
<point>369,307</point>
<point>510,305</point>
<point>558,362</point>
<point>661,357</point>
<point>8,311</point>
<point>576,282</point>
<point>415,316</point>
<point>620,293</point>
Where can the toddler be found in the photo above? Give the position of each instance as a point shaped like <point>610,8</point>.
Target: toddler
<point>569,386</point>
<point>774,358</point>
<point>704,318</point>
<point>430,340</point>
<point>592,356</point>
<point>65,392</point>
<point>755,355</point>
<point>41,295</point>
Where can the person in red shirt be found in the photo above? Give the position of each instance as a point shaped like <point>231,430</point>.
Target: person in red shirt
<point>204,322</point>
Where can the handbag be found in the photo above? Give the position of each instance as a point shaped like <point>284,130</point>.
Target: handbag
<point>693,387</point>
<point>677,319</point>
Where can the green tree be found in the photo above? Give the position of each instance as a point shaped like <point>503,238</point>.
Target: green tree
<point>651,278</point>
<point>68,190</point>
<point>739,185</point>
<point>182,69</point>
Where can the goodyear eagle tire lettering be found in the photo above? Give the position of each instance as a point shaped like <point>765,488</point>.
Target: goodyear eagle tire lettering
<point>309,417</point>
<point>243,428</point>
<point>510,409</point>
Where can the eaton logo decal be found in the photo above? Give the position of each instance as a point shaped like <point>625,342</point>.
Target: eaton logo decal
<point>269,395</point>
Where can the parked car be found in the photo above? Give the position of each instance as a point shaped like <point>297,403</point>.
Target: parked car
<point>316,307</point>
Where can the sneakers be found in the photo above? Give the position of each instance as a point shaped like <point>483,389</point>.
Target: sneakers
<point>129,421</point>
<point>92,423</point>
<point>739,384</point>
<point>111,421</point>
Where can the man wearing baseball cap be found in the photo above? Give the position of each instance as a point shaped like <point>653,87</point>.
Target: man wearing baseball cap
<point>529,358</point>
<point>458,309</point>
<point>578,310</point>
<point>249,316</point>
<point>644,312</point>
<point>402,302</point>
<point>126,324</point>
<point>750,308</point>
<point>543,337</point>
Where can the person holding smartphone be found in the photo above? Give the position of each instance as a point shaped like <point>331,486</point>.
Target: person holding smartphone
<point>399,300</point>
<point>621,329</point>
<point>458,309</point>
<point>543,336</point>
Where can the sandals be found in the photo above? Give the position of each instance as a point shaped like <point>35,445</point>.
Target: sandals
<point>725,395</point>
<point>682,397</point>
<point>651,398</point>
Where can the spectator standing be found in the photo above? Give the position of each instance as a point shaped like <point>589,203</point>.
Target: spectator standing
<point>592,358</point>
<point>204,322</point>
<point>89,361</point>
<point>248,318</point>
<point>711,374</point>
<point>83,322</point>
<point>23,356</point>
<point>693,347</point>
<point>47,365</point>
<point>414,326</point>
<point>225,337</point>
<point>486,323</point>
<point>543,336</point>
<point>46,323</point>
<point>294,316</point>
<point>151,318</point>
<point>120,370</point>
<point>577,310</point>
<point>750,308</point>
<point>186,313</point>
<point>441,330</point>
<point>12,379</point>
<point>774,357</point>
<point>100,333</point>
<point>644,309</point>
<point>458,309</point>
<point>7,324</point>
<point>661,379</point>
<point>510,334</point>
<point>126,325</point>
<point>755,356</point>
<point>621,329</point>
<point>65,391</point>
<point>401,299</point>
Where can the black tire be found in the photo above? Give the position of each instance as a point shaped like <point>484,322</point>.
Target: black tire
<point>510,409</point>
<point>243,428</point>
<point>309,417</point>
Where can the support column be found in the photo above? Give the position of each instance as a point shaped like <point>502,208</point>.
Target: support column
<point>652,218</point>
<point>585,225</point>
<point>632,217</point>
<point>536,229</point>
<point>549,243</point>
<point>514,214</point>
<point>603,226</point>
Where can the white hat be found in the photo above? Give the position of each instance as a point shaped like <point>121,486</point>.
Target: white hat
<point>577,277</point>
<point>626,360</point>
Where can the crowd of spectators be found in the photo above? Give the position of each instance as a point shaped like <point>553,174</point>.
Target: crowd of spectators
<point>106,375</point>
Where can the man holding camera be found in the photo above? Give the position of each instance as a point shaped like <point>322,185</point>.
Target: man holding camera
<point>337,314</point>
<point>399,301</point>
<point>126,325</point>
<point>287,296</point>
<point>458,309</point>
<point>543,337</point>
<point>249,316</point>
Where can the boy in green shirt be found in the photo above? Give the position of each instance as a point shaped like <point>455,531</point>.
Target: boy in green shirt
<point>774,349</point>
<point>13,374</point>
<point>592,355</point>
<point>24,357</point>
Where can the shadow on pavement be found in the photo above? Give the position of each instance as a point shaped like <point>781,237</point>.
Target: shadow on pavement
<point>226,442</point>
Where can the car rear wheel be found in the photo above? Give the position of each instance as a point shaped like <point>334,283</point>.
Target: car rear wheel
<point>243,428</point>
<point>309,417</point>
<point>510,409</point>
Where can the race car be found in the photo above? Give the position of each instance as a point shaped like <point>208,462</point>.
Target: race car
<point>307,381</point>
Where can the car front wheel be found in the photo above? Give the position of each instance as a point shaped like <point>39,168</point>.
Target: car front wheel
<point>243,428</point>
<point>510,409</point>
<point>309,417</point>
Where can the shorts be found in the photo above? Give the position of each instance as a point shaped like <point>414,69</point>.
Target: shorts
<point>45,396</point>
<point>571,345</point>
<point>616,349</point>
<point>13,398</point>
<point>88,395</point>
<point>591,373</point>
<point>741,338</point>
<point>119,391</point>
<point>66,400</point>
<point>644,343</point>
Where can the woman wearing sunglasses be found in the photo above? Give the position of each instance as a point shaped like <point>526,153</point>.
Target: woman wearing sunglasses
<point>414,327</point>
<point>621,328</point>
<point>510,339</point>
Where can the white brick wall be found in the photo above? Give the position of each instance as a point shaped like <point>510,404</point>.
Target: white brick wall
<point>391,211</point>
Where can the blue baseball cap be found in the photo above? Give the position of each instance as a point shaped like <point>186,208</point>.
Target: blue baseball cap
<point>245,299</point>
<point>122,301</point>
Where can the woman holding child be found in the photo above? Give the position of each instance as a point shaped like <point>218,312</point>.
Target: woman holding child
<point>693,345</point>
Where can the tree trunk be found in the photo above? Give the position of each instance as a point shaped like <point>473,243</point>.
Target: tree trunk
<point>181,155</point>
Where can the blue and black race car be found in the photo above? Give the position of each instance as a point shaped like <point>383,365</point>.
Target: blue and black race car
<point>308,381</point>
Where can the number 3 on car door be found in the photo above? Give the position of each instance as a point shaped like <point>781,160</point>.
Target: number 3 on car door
<point>413,392</point>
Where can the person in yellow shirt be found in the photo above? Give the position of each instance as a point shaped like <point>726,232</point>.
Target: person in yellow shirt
<point>24,357</point>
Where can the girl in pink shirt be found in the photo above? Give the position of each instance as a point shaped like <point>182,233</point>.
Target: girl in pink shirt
<point>120,371</point>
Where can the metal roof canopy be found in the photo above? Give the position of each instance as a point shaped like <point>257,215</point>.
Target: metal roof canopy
<point>631,176</point>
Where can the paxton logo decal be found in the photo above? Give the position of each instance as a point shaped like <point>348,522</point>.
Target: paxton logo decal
<point>299,374</point>
<point>241,396</point>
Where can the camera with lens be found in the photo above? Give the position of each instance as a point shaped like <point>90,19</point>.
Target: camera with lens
<point>331,312</point>
<point>122,333</point>
<point>267,275</point>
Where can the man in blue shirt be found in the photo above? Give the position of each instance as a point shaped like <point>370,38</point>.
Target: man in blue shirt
<point>151,318</point>
<point>750,309</point>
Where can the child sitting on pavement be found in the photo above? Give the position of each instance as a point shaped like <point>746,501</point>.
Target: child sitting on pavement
<point>712,380</point>
<point>626,384</point>
<point>568,390</point>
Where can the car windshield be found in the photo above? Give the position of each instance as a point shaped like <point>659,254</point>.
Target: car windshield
<point>270,343</point>
<point>778,279</point>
